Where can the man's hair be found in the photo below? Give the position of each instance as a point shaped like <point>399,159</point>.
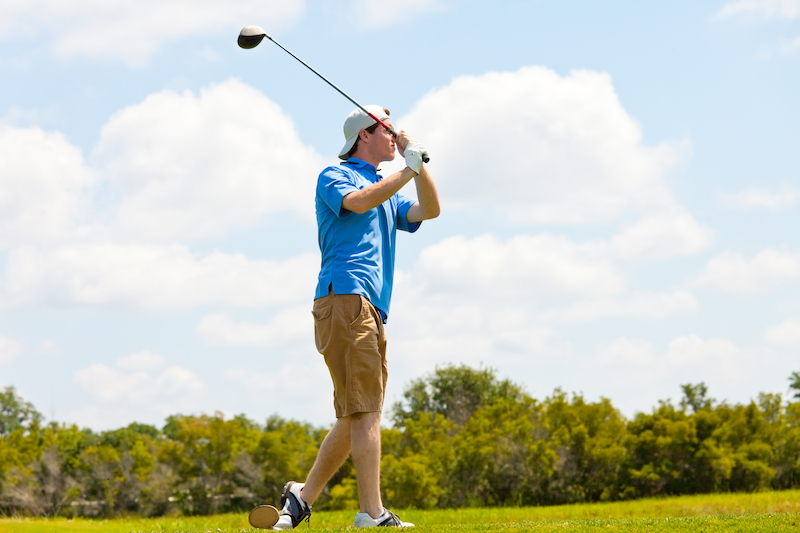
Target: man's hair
<point>371,129</point>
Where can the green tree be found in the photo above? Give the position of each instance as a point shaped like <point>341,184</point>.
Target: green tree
<point>286,450</point>
<point>418,461</point>
<point>454,392</point>
<point>15,412</point>
<point>116,473</point>
<point>102,481</point>
<point>794,384</point>
<point>662,447</point>
<point>501,457</point>
<point>696,397</point>
<point>787,453</point>
<point>589,439</point>
<point>750,438</point>
<point>43,480</point>
<point>204,452</point>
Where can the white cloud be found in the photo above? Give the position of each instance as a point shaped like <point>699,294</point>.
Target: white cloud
<point>556,280</point>
<point>45,186</point>
<point>764,9</point>
<point>790,46</point>
<point>188,166</point>
<point>289,325</point>
<point>428,329</point>
<point>652,373</point>
<point>175,166</point>
<point>651,305</point>
<point>122,384</point>
<point>485,300</point>
<point>542,147</point>
<point>734,273</point>
<point>508,303</point>
<point>720,355</point>
<point>299,389</point>
<point>783,198</point>
<point>151,277</point>
<point>144,360</point>
<point>522,267</point>
<point>172,168</point>
<point>133,30</point>
<point>139,387</point>
<point>626,351</point>
<point>787,333</point>
<point>10,350</point>
<point>660,236</point>
<point>691,349</point>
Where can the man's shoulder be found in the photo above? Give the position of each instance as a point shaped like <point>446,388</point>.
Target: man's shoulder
<point>337,171</point>
<point>343,174</point>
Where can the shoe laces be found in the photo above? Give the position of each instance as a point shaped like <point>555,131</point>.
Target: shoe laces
<point>392,517</point>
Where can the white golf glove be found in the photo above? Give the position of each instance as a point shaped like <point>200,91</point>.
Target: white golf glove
<point>413,154</point>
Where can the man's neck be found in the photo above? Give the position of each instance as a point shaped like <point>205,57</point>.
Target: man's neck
<point>364,156</point>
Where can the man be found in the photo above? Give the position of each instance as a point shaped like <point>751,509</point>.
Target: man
<point>358,213</point>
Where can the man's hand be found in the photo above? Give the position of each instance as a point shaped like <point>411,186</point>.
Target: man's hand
<point>413,155</point>
<point>402,139</point>
<point>413,152</point>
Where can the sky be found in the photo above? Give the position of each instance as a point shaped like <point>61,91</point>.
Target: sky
<point>619,185</point>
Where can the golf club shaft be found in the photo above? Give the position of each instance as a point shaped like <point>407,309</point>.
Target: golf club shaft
<point>425,157</point>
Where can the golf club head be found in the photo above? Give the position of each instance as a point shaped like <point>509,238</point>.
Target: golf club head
<point>250,36</point>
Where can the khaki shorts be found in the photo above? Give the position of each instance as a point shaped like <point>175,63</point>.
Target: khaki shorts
<point>348,331</point>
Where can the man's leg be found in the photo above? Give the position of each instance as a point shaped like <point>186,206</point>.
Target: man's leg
<point>297,498</point>
<point>332,454</point>
<point>365,444</point>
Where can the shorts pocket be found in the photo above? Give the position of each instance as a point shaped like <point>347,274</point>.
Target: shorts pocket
<point>357,310</point>
<point>322,313</point>
<point>322,328</point>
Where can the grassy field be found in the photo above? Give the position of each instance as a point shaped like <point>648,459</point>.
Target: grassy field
<point>761,512</point>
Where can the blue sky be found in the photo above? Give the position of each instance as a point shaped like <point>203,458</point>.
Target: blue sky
<point>619,184</point>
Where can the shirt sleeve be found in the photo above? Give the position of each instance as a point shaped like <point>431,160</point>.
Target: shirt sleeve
<point>404,203</point>
<point>332,186</point>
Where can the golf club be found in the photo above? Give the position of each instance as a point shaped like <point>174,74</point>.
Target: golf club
<point>251,36</point>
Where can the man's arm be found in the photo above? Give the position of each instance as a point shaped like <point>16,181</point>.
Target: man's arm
<point>427,205</point>
<point>374,195</point>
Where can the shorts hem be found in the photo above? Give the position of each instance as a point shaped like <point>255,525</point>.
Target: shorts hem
<point>358,409</point>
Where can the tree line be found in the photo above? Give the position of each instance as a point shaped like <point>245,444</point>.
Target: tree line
<point>459,437</point>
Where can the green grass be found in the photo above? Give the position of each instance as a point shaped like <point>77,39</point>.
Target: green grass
<point>760,512</point>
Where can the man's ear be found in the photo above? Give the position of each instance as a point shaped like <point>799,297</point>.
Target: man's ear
<point>363,135</point>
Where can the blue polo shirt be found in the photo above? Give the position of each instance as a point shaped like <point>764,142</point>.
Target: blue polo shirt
<point>358,251</point>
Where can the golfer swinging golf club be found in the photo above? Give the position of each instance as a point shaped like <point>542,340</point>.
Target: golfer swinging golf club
<point>358,214</point>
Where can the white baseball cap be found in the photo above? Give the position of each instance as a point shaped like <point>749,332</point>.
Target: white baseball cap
<point>357,121</point>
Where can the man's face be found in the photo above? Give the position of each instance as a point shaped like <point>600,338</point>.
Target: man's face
<point>382,143</point>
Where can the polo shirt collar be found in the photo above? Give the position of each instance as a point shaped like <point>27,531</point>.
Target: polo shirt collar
<point>360,163</point>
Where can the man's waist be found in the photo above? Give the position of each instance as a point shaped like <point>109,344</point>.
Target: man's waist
<point>332,289</point>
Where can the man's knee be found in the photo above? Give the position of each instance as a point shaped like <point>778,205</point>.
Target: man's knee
<point>366,424</point>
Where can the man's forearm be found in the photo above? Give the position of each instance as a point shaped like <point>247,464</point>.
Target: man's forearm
<point>427,196</point>
<point>369,197</point>
<point>427,204</point>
